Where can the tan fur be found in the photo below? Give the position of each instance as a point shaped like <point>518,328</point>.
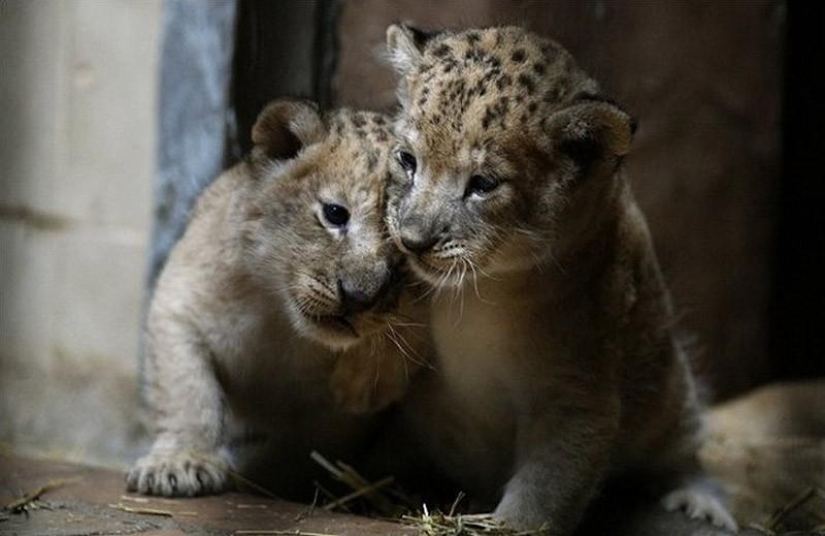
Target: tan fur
<point>557,363</point>
<point>254,358</point>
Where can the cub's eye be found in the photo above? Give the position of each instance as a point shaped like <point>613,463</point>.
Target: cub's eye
<point>336,214</point>
<point>407,162</point>
<point>481,185</point>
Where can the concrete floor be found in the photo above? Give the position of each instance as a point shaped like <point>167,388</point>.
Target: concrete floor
<point>91,501</point>
<point>94,502</point>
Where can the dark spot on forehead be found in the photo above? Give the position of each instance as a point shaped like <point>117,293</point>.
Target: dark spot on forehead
<point>532,107</point>
<point>488,76</point>
<point>503,81</point>
<point>473,55</point>
<point>473,37</point>
<point>358,121</point>
<point>382,136</point>
<point>518,55</point>
<point>441,51</point>
<point>539,68</point>
<point>496,112</point>
<point>527,83</point>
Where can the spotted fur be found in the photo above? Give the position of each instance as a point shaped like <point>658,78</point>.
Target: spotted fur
<point>558,364</point>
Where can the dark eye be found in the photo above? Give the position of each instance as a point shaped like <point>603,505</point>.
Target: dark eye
<point>407,162</point>
<point>481,184</point>
<point>336,214</point>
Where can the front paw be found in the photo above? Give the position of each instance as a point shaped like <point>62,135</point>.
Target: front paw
<point>178,474</point>
<point>513,515</point>
<point>698,504</point>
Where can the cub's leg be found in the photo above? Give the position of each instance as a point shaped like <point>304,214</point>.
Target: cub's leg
<point>561,463</point>
<point>676,472</point>
<point>188,409</point>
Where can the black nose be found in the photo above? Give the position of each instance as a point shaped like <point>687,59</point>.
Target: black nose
<point>417,244</point>
<point>356,300</point>
<point>416,239</point>
<point>417,234</point>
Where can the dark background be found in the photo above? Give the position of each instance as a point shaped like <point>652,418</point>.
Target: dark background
<point>798,260</point>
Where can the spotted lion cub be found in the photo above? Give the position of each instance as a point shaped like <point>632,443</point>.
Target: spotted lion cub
<point>557,363</point>
<point>279,324</point>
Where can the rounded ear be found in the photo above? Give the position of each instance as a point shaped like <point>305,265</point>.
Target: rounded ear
<point>405,45</point>
<point>285,127</point>
<point>591,130</point>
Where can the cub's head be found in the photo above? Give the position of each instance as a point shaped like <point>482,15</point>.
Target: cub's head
<point>504,148</point>
<point>314,228</point>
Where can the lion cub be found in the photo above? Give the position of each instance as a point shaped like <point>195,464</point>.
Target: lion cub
<point>557,363</point>
<point>279,321</point>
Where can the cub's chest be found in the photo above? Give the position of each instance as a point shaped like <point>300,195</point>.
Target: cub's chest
<point>488,349</point>
<point>257,348</point>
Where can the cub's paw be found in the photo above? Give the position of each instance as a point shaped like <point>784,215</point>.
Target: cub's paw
<point>178,474</point>
<point>515,514</point>
<point>700,504</point>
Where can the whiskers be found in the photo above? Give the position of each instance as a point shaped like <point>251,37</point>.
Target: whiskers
<point>312,296</point>
<point>476,269</point>
<point>407,350</point>
<point>461,273</point>
<point>306,305</point>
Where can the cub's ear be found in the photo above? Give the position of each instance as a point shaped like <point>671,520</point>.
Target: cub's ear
<point>405,45</point>
<point>285,127</point>
<point>591,129</point>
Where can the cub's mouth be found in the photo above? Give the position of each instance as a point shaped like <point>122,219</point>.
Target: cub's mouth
<point>437,266</point>
<point>351,318</point>
<point>336,326</point>
<point>440,273</point>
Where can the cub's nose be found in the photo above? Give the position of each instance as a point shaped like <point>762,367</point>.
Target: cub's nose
<point>415,236</point>
<point>359,295</point>
<point>415,243</point>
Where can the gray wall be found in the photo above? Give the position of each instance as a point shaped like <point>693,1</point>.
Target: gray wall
<point>77,149</point>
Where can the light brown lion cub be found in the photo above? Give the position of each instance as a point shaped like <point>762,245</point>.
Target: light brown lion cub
<point>557,364</point>
<point>279,320</point>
